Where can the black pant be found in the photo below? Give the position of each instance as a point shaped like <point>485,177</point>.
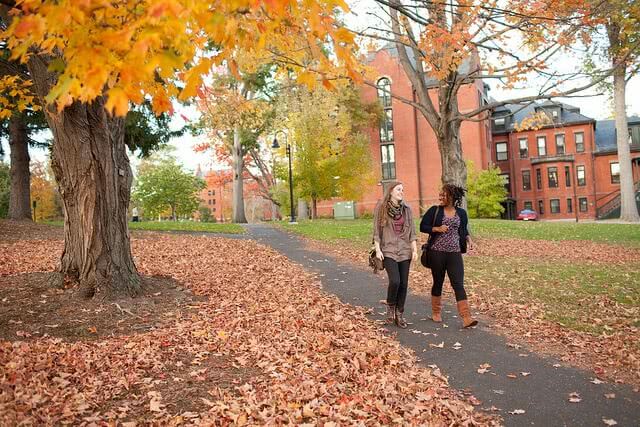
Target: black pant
<point>398,273</point>
<point>451,264</point>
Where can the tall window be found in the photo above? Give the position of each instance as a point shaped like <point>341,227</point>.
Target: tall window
<point>542,146</point>
<point>569,205</point>
<point>579,141</point>
<point>526,180</point>
<point>528,205</point>
<point>555,205</point>
<point>615,172</point>
<point>552,174</point>
<point>524,148</point>
<point>539,179</point>
<point>501,151</point>
<point>580,176</point>
<point>388,161</point>
<point>582,201</point>
<point>386,127</point>
<point>560,144</point>
<point>541,207</point>
<point>567,176</point>
<point>384,95</point>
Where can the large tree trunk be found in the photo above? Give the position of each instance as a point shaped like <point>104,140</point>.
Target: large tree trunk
<point>20,199</point>
<point>91,167</point>
<point>238,190</point>
<point>454,169</point>
<point>628,207</point>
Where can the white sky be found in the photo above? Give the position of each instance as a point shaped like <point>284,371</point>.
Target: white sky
<point>597,107</point>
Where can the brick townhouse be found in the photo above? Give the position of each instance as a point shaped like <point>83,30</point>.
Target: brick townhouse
<point>566,169</point>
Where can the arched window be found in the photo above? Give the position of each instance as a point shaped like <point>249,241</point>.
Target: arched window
<point>384,95</point>
<point>384,92</point>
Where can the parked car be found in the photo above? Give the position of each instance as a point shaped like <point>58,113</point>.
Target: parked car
<point>527,215</point>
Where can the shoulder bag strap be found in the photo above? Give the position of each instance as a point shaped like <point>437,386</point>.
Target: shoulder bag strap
<point>431,239</point>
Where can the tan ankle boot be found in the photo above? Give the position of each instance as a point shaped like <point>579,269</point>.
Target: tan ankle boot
<point>400,322</point>
<point>391,314</point>
<point>465,313</point>
<point>436,309</point>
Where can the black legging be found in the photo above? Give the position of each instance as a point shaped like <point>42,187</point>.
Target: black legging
<point>398,273</point>
<point>451,264</point>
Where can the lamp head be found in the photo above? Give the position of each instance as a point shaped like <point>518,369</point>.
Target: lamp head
<point>275,144</point>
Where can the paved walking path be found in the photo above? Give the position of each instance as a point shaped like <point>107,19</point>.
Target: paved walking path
<point>543,393</point>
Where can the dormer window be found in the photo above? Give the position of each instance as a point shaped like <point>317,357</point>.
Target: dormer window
<point>634,135</point>
<point>499,122</point>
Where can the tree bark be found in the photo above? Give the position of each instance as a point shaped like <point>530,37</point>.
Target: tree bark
<point>628,206</point>
<point>20,199</point>
<point>238,188</point>
<point>454,169</point>
<point>91,167</point>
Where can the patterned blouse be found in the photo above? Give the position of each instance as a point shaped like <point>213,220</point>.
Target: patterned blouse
<point>449,241</point>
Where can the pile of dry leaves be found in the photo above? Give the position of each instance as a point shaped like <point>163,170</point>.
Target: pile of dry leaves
<point>229,332</point>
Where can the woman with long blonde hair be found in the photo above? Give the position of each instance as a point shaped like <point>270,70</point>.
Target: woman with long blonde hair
<point>395,240</point>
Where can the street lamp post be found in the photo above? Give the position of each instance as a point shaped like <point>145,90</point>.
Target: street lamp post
<point>276,146</point>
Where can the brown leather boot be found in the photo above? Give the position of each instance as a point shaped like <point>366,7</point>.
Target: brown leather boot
<point>436,309</point>
<point>391,314</point>
<point>400,322</point>
<point>465,313</point>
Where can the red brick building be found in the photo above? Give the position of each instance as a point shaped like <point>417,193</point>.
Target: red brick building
<point>566,169</point>
<point>217,197</point>
<point>404,147</point>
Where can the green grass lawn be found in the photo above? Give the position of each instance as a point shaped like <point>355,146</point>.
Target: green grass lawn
<point>573,293</point>
<point>210,227</point>
<point>359,231</point>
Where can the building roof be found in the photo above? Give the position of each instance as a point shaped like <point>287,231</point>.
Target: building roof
<point>568,113</point>
<point>606,133</point>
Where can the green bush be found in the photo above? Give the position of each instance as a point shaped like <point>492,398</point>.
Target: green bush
<point>486,192</point>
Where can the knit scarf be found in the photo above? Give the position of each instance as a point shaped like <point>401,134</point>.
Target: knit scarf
<point>394,211</point>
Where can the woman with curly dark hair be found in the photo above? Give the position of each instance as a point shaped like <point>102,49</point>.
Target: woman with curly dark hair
<point>395,240</point>
<point>447,226</point>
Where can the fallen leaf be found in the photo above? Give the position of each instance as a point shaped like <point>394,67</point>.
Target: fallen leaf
<point>574,397</point>
<point>517,411</point>
<point>609,422</point>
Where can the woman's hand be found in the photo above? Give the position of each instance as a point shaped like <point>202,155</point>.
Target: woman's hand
<point>379,255</point>
<point>414,256</point>
<point>470,245</point>
<point>441,229</point>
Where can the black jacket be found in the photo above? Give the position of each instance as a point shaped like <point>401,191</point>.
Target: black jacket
<point>427,220</point>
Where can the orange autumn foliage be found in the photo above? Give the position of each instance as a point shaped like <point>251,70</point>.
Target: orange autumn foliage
<point>161,49</point>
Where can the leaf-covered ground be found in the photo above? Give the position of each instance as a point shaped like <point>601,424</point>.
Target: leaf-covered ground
<point>577,300</point>
<point>229,332</point>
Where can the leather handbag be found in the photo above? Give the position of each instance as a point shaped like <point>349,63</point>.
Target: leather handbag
<point>426,258</point>
<point>374,262</point>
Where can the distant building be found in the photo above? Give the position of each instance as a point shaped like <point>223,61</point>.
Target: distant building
<point>566,169</point>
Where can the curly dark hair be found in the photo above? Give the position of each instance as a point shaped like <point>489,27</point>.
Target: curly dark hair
<point>454,193</point>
